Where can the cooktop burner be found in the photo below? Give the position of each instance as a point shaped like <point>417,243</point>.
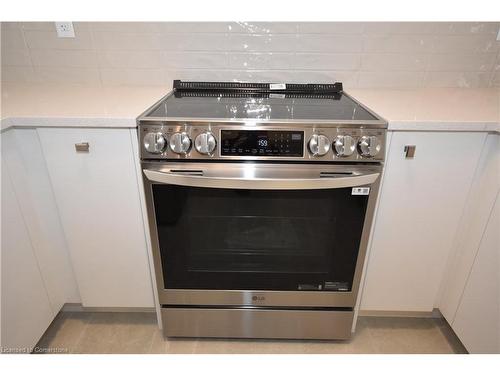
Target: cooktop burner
<point>270,102</point>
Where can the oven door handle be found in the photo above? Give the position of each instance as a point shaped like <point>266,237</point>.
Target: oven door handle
<point>327,182</point>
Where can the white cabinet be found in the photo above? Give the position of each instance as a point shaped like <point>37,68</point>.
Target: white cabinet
<point>477,321</point>
<point>420,205</point>
<point>97,196</point>
<point>471,293</point>
<point>25,306</point>
<point>24,159</point>
<point>480,201</point>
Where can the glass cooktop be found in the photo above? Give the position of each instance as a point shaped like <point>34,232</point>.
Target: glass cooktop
<point>261,106</point>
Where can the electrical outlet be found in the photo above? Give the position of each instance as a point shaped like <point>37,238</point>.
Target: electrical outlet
<point>65,29</point>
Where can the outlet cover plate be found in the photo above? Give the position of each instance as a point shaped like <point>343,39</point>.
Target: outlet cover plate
<point>65,29</point>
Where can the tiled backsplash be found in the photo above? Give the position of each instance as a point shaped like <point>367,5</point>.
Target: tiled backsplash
<point>363,55</point>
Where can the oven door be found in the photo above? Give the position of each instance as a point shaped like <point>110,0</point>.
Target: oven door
<point>251,234</point>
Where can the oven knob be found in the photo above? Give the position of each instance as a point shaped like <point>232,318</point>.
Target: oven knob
<point>154,143</point>
<point>319,145</point>
<point>344,145</point>
<point>205,143</point>
<point>180,143</point>
<point>369,146</point>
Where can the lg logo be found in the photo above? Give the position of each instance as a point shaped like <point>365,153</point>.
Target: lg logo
<point>258,298</point>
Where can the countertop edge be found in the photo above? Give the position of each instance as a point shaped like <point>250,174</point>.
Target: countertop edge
<point>130,123</point>
<point>440,126</point>
<point>68,122</point>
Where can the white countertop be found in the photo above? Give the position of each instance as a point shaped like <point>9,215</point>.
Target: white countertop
<point>437,109</point>
<point>92,106</point>
<point>75,105</point>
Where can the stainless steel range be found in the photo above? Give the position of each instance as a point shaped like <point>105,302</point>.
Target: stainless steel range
<point>260,200</point>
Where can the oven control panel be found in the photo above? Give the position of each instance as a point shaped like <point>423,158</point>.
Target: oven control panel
<point>261,143</point>
<point>201,141</point>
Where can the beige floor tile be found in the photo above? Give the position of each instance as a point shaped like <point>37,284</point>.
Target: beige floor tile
<point>63,334</point>
<point>246,346</point>
<point>206,346</point>
<point>160,345</point>
<point>277,347</point>
<point>407,336</point>
<point>139,333</point>
<point>143,318</point>
<point>118,333</point>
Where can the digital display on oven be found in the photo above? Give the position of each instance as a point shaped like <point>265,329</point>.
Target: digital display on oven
<point>262,143</point>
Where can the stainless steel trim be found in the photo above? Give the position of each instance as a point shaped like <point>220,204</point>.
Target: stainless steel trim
<point>258,123</point>
<point>372,124</point>
<point>222,182</point>
<point>380,118</point>
<point>271,298</point>
<point>149,109</point>
<point>256,323</point>
<point>256,298</point>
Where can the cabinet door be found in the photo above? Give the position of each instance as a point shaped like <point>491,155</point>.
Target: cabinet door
<point>25,307</point>
<point>30,180</point>
<point>480,200</point>
<point>420,205</point>
<point>98,199</point>
<point>477,322</point>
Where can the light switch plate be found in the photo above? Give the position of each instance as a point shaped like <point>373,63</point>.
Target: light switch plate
<point>498,35</point>
<point>65,29</point>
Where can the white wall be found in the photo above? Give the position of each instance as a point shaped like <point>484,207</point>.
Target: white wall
<point>359,54</point>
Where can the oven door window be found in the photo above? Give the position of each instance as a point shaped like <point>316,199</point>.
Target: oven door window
<point>258,239</point>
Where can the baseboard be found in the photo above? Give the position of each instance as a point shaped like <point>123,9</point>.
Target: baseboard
<point>435,313</point>
<point>77,307</point>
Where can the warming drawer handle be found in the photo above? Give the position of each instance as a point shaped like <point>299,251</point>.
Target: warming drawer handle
<point>260,183</point>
